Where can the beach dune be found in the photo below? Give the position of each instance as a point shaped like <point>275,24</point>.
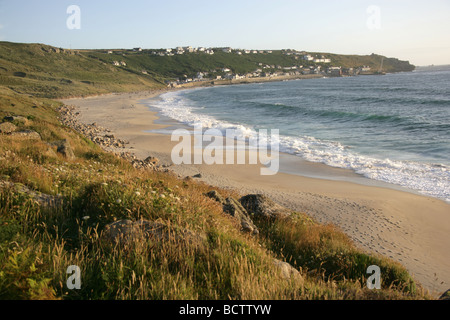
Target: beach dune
<point>409,228</point>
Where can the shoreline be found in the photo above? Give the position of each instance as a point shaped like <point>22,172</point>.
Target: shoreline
<point>408,228</point>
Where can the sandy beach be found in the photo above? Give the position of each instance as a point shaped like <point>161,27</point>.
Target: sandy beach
<point>409,228</point>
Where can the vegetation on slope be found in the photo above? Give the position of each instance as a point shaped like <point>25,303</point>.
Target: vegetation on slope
<point>45,71</point>
<point>54,213</point>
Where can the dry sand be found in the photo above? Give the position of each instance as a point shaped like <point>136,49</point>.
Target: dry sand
<point>409,228</point>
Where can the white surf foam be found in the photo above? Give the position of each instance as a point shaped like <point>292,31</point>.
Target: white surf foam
<point>429,179</point>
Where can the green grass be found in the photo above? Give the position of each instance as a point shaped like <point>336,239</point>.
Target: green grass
<point>43,71</point>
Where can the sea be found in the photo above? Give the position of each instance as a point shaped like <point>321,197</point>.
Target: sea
<point>392,128</point>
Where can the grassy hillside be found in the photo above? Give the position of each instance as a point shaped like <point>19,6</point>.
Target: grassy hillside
<point>56,211</point>
<point>45,71</point>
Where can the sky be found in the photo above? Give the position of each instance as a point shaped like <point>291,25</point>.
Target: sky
<point>413,30</point>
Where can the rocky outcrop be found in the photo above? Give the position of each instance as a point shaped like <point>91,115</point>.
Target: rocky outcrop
<point>235,209</point>
<point>7,127</point>
<point>126,230</point>
<point>43,199</point>
<point>288,272</point>
<point>106,140</point>
<point>18,119</point>
<point>261,206</point>
<point>26,135</point>
<point>96,133</point>
<point>64,148</point>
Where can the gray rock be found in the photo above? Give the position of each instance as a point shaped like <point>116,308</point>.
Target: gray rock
<point>234,208</point>
<point>126,230</point>
<point>262,207</point>
<point>288,272</point>
<point>26,135</point>
<point>64,148</point>
<point>7,127</point>
<point>42,199</point>
<point>152,160</point>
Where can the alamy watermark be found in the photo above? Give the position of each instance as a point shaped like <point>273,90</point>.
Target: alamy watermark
<point>374,20</point>
<point>74,281</point>
<point>73,22</point>
<point>229,149</point>
<point>374,281</point>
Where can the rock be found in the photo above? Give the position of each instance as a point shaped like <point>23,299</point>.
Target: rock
<point>262,207</point>
<point>7,127</point>
<point>152,160</point>
<point>26,135</point>
<point>42,199</point>
<point>445,295</point>
<point>20,119</point>
<point>197,176</point>
<point>65,149</point>
<point>287,271</point>
<point>234,208</point>
<point>127,230</point>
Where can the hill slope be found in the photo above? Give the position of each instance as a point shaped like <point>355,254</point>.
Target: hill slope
<point>45,71</point>
<point>60,194</point>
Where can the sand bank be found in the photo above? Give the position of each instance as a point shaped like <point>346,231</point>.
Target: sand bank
<point>409,228</point>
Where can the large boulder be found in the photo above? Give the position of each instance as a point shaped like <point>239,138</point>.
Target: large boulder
<point>126,230</point>
<point>288,272</point>
<point>26,135</point>
<point>234,208</point>
<point>64,148</point>
<point>262,207</point>
<point>7,127</point>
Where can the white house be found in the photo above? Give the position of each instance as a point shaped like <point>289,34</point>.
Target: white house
<point>322,60</point>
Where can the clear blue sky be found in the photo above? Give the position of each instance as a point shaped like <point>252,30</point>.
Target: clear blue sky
<point>414,30</point>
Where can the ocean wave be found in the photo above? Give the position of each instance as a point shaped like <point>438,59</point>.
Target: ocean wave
<point>431,179</point>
